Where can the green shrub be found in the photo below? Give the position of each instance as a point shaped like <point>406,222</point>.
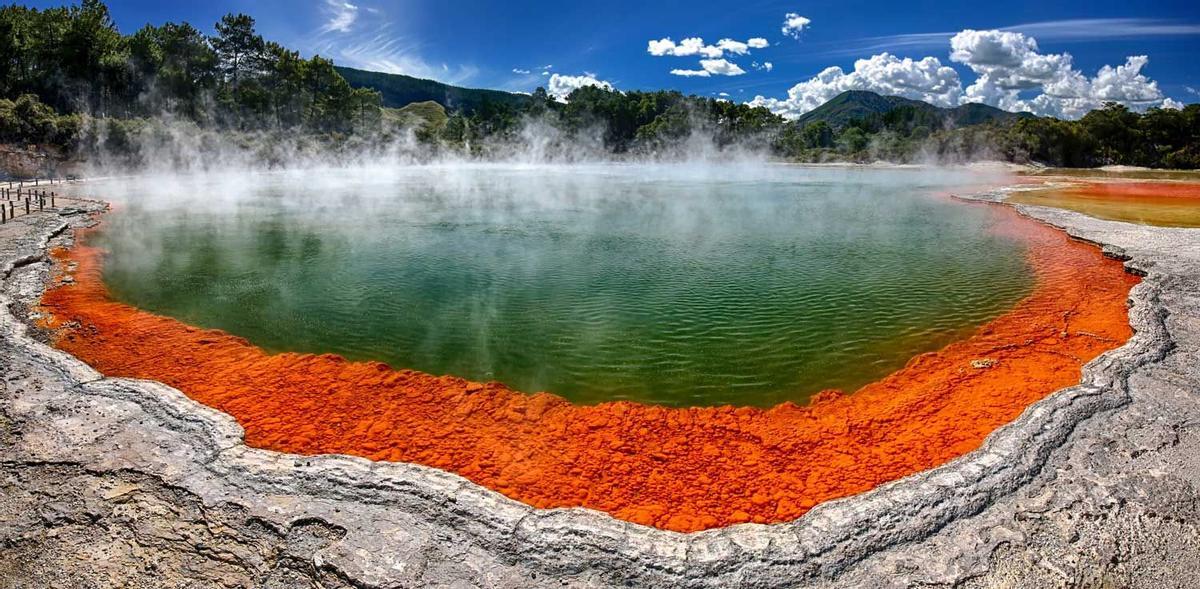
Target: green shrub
<point>28,120</point>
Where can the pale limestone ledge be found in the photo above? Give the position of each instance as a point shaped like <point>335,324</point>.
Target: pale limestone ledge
<point>136,472</point>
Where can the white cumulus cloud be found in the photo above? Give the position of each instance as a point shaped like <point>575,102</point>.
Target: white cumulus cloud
<point>1126,83</point>
<point>713,62</point>
<point>712,67</point>
<point>695,46</point>
<point>927,79</point>
<point>661,47</point>
<point>1009,65</point>
<point>685,48</point>
<point>721,67</point>
<point>735,47</point>
<point>561,86</point>
<point>794,25</point>
<point>1011,73</point>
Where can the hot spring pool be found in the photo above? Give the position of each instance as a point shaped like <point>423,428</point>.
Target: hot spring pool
<point>677,285</point>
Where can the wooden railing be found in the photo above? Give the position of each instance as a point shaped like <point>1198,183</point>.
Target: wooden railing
<point>25,197</point>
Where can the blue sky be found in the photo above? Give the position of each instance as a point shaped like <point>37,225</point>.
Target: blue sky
<point>1042,56</point>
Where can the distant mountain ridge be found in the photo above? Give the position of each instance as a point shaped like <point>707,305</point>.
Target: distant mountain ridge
<point>861,104</point>
<point>399,90</point>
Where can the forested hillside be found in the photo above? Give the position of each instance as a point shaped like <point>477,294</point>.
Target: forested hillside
<point>864,126</point>
<point>854,105</point>
<point>76,61</point>
<point>398,90</point>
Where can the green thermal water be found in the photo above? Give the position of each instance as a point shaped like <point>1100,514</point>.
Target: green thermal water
<point>671,284</point>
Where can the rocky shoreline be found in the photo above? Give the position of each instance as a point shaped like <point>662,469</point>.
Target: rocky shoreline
<point>118,482</point>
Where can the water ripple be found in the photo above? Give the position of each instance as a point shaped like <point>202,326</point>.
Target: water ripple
<point>595,285</point>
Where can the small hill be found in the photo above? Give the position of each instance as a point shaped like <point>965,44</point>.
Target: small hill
<point>427,115</point>
<point>399,90</point>
<point>975,114</point>
<point>860,104</point>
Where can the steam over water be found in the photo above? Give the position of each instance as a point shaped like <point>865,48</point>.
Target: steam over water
<point>679,285</point>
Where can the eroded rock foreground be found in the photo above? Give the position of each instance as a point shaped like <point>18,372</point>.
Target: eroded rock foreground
<point>111,482</point>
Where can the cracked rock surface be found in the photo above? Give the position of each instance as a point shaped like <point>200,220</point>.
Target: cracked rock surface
<point>120,483</point>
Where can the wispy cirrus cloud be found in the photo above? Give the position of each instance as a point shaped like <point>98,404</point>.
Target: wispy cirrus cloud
<point>1070,30</point>
<point>341,16</point>
<point>1105,28</point>
<point>377,45</point>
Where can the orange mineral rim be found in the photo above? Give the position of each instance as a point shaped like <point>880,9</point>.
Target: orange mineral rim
<point>682,469</point>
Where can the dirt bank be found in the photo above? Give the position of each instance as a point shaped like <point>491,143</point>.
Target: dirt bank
<point>678,469</point>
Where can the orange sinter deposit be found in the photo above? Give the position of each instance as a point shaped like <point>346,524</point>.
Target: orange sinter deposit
<point>679,469</point>
<point>1170,204</point>
<point>1142,191</point>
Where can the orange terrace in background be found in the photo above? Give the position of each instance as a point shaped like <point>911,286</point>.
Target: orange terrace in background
<point>1168,204</point>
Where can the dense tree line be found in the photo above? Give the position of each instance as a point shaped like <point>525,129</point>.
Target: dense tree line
<point>1159,138</point>
<point>660,122</point>
<point>398,90</point>
<point>1111,135</point>
<point>634,123</point>
<point>74,60</point>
